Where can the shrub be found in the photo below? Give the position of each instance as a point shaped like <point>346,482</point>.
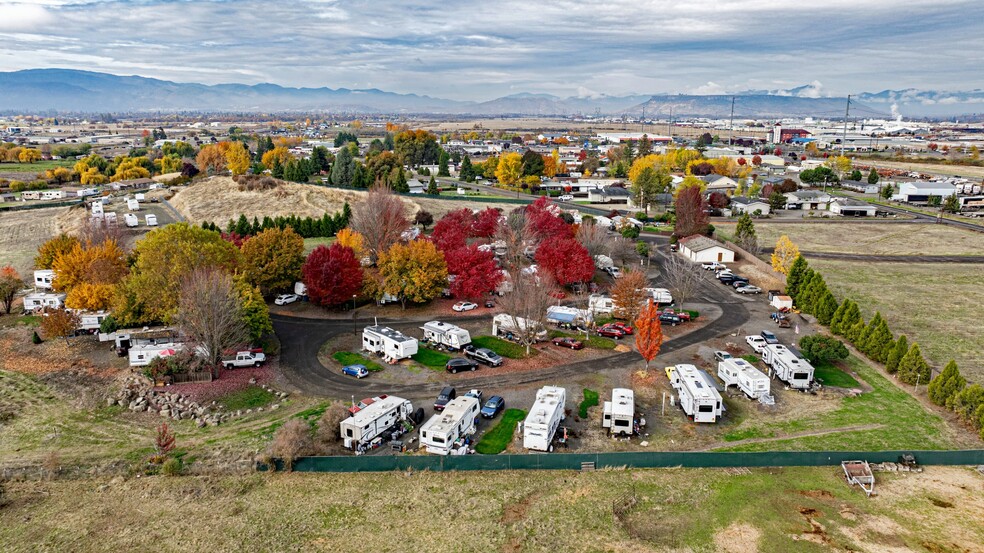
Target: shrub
<point>292,440</point>
<point>35,339</point>
<point>172,467</point>
<point>819,348</point>
<point>329,429</point>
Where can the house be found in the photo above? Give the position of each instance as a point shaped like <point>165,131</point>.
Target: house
<point>719,183</point>
<point>807,200</point>
<point>743,204</point>
<point>701,249</point>
<point>849,207</point>
<point>781,135</point>
<point>611,195</point>
<point>920,191</point>
<point>7,197</point>
<point>132,183</point>
<point>860,186</point>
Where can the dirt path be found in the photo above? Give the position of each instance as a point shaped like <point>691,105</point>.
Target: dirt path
<point>810,434</point>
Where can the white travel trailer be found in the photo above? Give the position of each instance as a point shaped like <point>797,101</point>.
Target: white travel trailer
<point>601,305</point>
<point>503,325</point>
<point>367,424</point>
<point>392,345</point>
<point>300,289</point>
<point>660,295</point>
<point>91,321</point>
<point>151,220</point>
<point>603,262</point>
<point>563,315</point>
<point>142,354</point>
<point>698,397</point>
<point>619,413</point>
<point>741,373</point>
<point>448,335</point>
<point>133,205</point>
<point>544,418</point>
<point>40,300</point>
<point>97,209</point>
<point>131,220</point>
<point>445,432</point>
<point>788,366</point>
<point>43,279</point>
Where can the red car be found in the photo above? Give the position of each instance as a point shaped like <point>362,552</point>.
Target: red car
<point>626,329</point>
<point>610,332</point>
<point>567,343</point>
<point>558,294</point>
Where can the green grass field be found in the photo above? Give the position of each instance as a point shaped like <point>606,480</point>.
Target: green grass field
<point>349,358</point>
<point>38,167</point>
<point>496,440</point>
<point>506,349</point>
<point>432,359</point>
<point>830,375</point>
<point>250,398</point>
<point>590,400</point>
<point>311,243</point>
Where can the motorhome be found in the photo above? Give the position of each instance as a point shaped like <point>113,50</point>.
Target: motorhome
<point>504,325</point>
<point>44,279</point>
<point>40,300</point>
<point>142,354</point>
<point>447,335</point>
<point>741,373</point>
<point>601,305</point>
<point>698,397</point>
<point>389,343</point>
<point>544,418</point>
<point>619,413</point>
<point>445,432</point>
<point>661,296</point>
<point>367,424</point>
<point>788,367</point>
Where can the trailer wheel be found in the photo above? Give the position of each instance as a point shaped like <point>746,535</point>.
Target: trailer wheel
<point>550,448</point>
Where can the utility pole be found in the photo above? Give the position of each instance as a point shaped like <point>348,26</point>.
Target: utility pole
<point>669,122</point>
<point>731,122</point>
<point>847,114</point>
<point>643,119</point>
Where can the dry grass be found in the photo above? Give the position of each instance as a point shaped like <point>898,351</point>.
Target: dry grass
<point>21,232</point>
<point>968,171</point>
<point>870,238</point>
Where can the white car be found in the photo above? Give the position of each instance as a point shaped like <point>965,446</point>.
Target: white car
<point>757,342</point>
<point>614,271</point>
<point>565,198</point>
<point>748,289</point>
<point>713,266</point>
<point>464,306</point>
<point>284,299</point>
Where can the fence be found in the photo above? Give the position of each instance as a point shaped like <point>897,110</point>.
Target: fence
<point>22,207</point>
<point>641,459</point>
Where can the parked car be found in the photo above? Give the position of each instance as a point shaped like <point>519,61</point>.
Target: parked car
<point>626,329</point>
<point>284,299</point>
<point>456,364</point>
<point>610,332</point>
<point>477,394</point>
<point>483,355</point>
<point>674,247</point>
<point>464,306</point>
<point>769,337</point>
<point>489,303</point>
<point>565,198</point>
<point>722,355</point>
<point>614,271</point>
<point>568,343</point>
<point>493,407</point>
<point>446,395</point>
<point>358,371</point>
<point>713,266</point>
<point>748,289</point>
<point>558,294</point>
<point>756,342</point>
<point>683,315</point>
<point>739,281</point>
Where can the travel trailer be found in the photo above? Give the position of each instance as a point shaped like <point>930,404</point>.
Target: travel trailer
<point>504,325</point>
<point>366,425</point>
<point>544,418</point>
<point>698,397</point>
<point>619,413</point>
<point>142,354</point>
<point>390,344</point>
<point>788,367</point>
<point>446,432</point>
<point>447,335</point>
<point>741,373</point>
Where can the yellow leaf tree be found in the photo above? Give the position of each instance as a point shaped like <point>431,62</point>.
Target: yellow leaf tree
<point>237,158</point>
<point>89,274</point>
<point>29,155</point>
<point>351,239</point>
<point>784,255</point>
<point>628,294</point>
<point>91,297</point>
<point>689,181</point>
<point>50,250</point>
<point>272,259</point>
<point>415,272</point>
<point>130,168</point>
<point>280,154</point>
<point>510,169</point>
<point>210,159</point>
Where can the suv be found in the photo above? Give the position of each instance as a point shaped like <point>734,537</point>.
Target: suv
<point>460,364</point>
<point>445,397</point>
<point>483,355</point>
<point>671,318</point>
<point>769,337</point>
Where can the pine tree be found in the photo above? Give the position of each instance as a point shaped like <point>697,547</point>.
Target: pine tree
<point>852,316</point>
<point>795,277</point>
<point>346,216</point>
<point>838,315</point>
<point>898,351</point>
<point>242,225</point>
<point>811,293</point>
<point>401,182</point>
<point>432,187</point>
<point>855,331</point>
<point>825,308</point>
<point>913,368</point>
<point>946,385</point>
<point>256,228</point>
<point>467,172</point>
<point>861,342</point>
<point>442,165</point>
<point>872,176</point>
<point>880,342</point>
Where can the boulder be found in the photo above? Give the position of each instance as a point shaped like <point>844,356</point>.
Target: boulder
<point>200,423</point>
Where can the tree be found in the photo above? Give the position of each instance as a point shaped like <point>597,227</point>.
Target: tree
<point>885,192</point>
<point>415,272</point>
<point>527,305</point>
<point>209,314</point>
<point>648,184</point>
<point>777,200</point>
<point>442,164</point>
<point>59,323</point>
<point>329,426</point>
<point>823,349</point>
<point>475,272</point>
<point>946,385</point>
<point>794,278</point>
<point>10,284</point>
<point>683,277</point>
<point>913,368</point>
<point>343,170</point>
<point>272,259</point>
<point>629,295</point>
<point>103,263</point>
<point>691,213</point>
<point>951,204</point>
<point>509,169</point>
<point>211,160</point>
<point>784,255</point>
<point>565,260</point>
<point>290,441</point>
<point>423,218</point>
<point>967,404</point>
<point>432,187</point>
<point>873,176</point>
<point>856,175</point>
<point>29,155</point>
<point>237,158</point>
<point>332,274</point>
<point>895,355</point>
<point>486,223</point>
<point>649,332</point>
<point>878,341</point>
<point>163,441</point>
<point>745,234</point>
<point>380,218</point>
<point>452,231</point>
<point>825,307</point>
<point>533,164</point>
<point>467,171</point>
<point>594,238</point>
<point>50,250</point>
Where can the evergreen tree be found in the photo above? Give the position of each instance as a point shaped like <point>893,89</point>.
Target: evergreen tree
<point>432,187</point>
<point>231,227</point>
<point>913,368</point>
<point>346,216</point>
<point>796,272</point>
<point>256,227</point>
<point>359,177</point>
<point>812,293</point>
<point>243,227</point>
<point>946,385</point>
<point>855,331</point>
<point>825,308</point>
<point>852,316</point>
<point>895,355</point>
<point>467,172</point>
<point>277,171</point>
<point>343,170</point>
<point>401,182</point>
<point>951,204</point>
<point>838,315</point>
<point>442,165</point>
<point>267,222</point>
<point>873,176</point>
<point>879,342</point>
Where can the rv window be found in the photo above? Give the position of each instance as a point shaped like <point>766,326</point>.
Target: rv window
<point>608,417</point>
<point>439,439</point>
<point>799,376</point>
<point>621,423</point>
<point>705,408</point>
<point>348,432</point>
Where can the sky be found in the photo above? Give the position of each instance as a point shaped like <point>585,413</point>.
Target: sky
<point>480,50</point>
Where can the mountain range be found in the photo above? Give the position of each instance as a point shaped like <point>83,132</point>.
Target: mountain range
<point>68,90</point>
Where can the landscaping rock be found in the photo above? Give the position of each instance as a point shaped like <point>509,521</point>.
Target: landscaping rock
<point>200,423</point>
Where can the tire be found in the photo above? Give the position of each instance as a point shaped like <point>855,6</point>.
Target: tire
<point>473,368</point>
<point>257,364</point>
<point>454,371</point>
<point>550,448</point>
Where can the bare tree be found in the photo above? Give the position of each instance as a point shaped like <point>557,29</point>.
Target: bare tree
<point>628,294</point>
<point>527,305</point>
<point>683,277</point>
<point>209,314</point>
<point>290,441</point>
<point>329,428</point>
<point>623,251</point>
<point>380,219</point>
<point>594,239</point>
<point>97,231</point>
<point>516,235</point>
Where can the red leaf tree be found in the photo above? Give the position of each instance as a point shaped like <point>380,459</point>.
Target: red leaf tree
<point>691,212</point>
<point>756,160</point>
<point>718,200</point>
<point>648,332</point>
<point>486,223</point>
<point>475,272</point>
<point>452,231</point>
<point>566,260</point>
<point>332,275</point>
<point>543,217</point>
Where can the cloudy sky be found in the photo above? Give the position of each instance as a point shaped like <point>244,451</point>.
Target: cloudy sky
<point>478,50</point>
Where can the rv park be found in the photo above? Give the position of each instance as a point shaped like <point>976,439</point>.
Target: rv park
<point>390,291</point>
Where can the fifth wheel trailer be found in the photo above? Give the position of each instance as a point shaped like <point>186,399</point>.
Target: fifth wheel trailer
<point>544,418</point>
<point>741,373</point>
<point>445,432</point>
<point>788,366</point>
<point>392,345</point>
<point>698,398</point>
<point>367,424</point>
<point>446,334</point>
<point>619,413</point>
<point>504,325</point>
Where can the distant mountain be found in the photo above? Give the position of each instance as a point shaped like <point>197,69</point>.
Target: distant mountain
<point>85,91</point>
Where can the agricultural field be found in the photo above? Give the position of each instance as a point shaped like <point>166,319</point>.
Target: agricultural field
<point>934,304</point>
<point>868,238</point>
<point>722,510</point>
<point>33,168</point>
<point>21,232</point>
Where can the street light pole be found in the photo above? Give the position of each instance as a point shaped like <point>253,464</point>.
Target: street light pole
<point>355,331</point>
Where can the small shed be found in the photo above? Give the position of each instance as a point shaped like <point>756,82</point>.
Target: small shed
<point>849,207</point>
<point>701,249</point>
<point>782,302</point>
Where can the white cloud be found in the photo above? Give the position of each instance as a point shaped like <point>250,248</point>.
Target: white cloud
<point>20,17</point>
<point>710,87</point>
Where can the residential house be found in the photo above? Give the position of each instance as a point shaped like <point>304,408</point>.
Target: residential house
<point>701,249</point>
<point>611,195</point>
<point>743,204</point>
<point>849,207</point>
<point>719,183</point>
<point>808,200</point>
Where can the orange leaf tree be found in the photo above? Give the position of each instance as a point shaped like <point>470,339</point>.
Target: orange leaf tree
<point>648,332</point>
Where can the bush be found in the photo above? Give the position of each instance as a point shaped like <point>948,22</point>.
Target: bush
<point>590,400</point>
<point>329,429</point>
<point>631,232</point>
<point>292,440</point>
<point>172,467</point>
<point>35,339</point>
<point>819,348</point>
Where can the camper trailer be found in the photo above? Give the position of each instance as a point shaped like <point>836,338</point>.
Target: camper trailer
<point>601,305</point>
<point>151,220</point>
<point>359,430</point>
<point>41,300</point>
<point>661,296</point>
<point>445,432</point>
<point>788,366</point>
<point>388,343</point>
<point>619,413</point>
<point>447,335</point>
<point>133,205</point>
<point>698,397</point>
<point>97,208</point>
<point>131,220</point>
<point>568,316</point>
<point>43,279</point>
<point>90,322</point>
<point>741,373</point>
<point>142,354</point>
<point>503,325</point>
<point>544,418</point>
<point>301,290</point>
<point>603,262</point>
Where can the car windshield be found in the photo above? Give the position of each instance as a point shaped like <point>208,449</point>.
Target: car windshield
<point>491,404</point>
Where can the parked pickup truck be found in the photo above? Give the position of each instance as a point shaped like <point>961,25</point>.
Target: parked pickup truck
<point>245,359</point>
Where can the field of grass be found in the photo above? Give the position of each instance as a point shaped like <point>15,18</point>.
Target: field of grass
<point>830,375</point>
<point>506,349</point>
<point>496,440</point>
<point>934,304</point>
<point>250,398</point>
<point>767,510</point>
<point>432,359</point>
<point>38,167</point>
<point>311,243</point>
<point>349,358</point>
<point>21,232</point>
<point>590,400</point>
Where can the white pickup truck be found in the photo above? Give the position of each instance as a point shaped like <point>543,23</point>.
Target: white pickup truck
<point>245,359</point>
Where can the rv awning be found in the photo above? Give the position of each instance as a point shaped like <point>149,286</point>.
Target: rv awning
<point>561,317</point>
